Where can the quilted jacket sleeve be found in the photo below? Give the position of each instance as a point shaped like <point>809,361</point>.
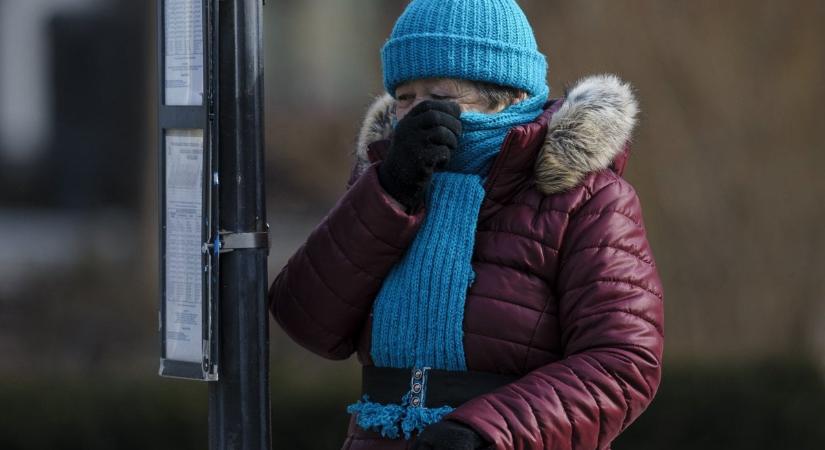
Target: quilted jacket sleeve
<point>611,319</point>
<point>324,293</point>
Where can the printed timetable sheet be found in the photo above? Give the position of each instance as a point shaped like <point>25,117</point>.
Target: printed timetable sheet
<point>183,31</point>
<point>184,238</point>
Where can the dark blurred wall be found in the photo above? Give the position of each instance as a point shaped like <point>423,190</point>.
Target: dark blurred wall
<point>96,157</point>
<point>96,111</point>
<point>72,264</point>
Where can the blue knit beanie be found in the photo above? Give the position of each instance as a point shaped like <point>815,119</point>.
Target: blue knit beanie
<point>479,40</point>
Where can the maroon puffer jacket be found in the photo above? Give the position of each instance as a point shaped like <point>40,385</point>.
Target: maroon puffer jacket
<point>567,293</point>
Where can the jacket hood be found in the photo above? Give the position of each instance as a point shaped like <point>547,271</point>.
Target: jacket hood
<point>587,132</point>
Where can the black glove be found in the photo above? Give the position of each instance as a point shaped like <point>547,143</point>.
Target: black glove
<point>448,435</point>
<point>423,141</point>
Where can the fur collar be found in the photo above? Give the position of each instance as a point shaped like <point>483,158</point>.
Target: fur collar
<point>589,129</point>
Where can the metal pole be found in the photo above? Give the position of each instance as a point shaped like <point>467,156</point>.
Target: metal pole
<point>239,411</point>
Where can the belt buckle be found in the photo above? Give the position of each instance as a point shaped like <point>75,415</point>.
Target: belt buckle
<point>418,385</point>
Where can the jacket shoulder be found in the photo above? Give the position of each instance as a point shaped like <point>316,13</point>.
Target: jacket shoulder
<point>592,193</point>
<point>606,189</point>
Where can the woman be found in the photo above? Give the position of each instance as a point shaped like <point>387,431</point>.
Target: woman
<point>488,263</point>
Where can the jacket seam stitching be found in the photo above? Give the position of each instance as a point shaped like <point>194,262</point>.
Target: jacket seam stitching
<point>523,235</point>
<point>310,316</point>
<point>533,334</point>
<point>369,230</point>
<point>517,387</point>
<point>618,280</point>
<point>627,399</point>
<point>501,300</point>
<point>647,320</point>
<point>638,369</point>
<point>539,209</point>
<point>619,382</point>
<point>503,417</point>
<point>565,409</point>
<point>343,252</point>
<point>623,357</point>
<point>624,214</point>
<point>585,359</point>
<point>611,246</point>
<point>508,341</point>
<point>523,270</point>
<point>583,381</point>
<point>622,346</point>
<point>329,288</point>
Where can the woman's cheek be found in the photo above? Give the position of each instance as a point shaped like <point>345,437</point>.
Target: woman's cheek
<point>401,111</point>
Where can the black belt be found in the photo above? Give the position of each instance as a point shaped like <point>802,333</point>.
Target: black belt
<point>427,386</point>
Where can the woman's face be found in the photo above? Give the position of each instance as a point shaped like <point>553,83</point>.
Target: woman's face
<point>463,92</point>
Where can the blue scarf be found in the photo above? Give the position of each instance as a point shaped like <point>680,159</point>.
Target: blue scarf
<point>419,311</point>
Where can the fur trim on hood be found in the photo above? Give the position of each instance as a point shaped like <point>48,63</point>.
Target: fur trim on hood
<point>590,128</point>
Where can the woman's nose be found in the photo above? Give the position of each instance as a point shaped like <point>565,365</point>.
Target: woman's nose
<point>401,112</point>
<point>418,99</point>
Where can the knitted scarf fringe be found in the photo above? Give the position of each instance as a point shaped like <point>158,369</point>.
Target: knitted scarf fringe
<point>392,419</point>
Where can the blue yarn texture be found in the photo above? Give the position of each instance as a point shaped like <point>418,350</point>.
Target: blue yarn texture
<point>418,313</point>
<point>479,40</point>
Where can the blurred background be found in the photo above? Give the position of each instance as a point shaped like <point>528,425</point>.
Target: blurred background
<point>727,161</point>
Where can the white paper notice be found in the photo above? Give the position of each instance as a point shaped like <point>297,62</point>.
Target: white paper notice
<point>183,29</point>
<point>184,237</point>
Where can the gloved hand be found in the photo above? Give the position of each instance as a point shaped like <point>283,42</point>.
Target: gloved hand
<point>448,435</point>
<point>423,141</point>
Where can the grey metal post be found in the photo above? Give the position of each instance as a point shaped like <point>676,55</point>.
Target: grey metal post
<point>239,411</point>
